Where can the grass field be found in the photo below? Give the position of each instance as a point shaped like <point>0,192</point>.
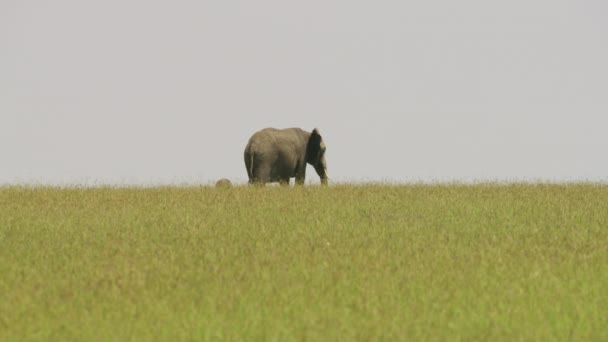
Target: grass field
<point>366,262</point>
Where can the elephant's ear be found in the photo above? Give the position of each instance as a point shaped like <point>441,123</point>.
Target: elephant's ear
<point>314,146</point>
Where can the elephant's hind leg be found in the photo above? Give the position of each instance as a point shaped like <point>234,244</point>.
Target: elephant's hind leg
<point>258,184</point>
<point>261,174</point>
<point>300,174</point>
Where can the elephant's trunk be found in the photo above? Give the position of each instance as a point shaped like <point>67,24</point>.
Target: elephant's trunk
<point>325,178</point>
<point>322,172</point>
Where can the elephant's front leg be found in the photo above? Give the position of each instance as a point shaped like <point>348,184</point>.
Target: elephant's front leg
<point>301,175</point>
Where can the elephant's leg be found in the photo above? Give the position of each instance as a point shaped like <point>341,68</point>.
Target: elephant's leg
<point>261,174</point>
<point>284,182</point>
<point>255,182</point>
<point>301,174</point>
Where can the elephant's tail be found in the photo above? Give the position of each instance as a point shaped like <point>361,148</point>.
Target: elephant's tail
<point>251,168</point>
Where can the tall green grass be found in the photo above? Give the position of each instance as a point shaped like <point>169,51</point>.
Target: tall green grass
<point>348,262</point>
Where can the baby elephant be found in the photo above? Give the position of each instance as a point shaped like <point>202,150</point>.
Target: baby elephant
<point>223,183</point>
<point>276,155</point>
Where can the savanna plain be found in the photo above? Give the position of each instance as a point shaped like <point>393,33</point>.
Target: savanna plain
<point>345,262</point>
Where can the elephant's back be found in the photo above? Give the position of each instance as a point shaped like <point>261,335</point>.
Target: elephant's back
<point>275,134</point>
<point>272,138</point>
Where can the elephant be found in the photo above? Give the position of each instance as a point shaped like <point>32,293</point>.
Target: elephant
<point>276,155</point>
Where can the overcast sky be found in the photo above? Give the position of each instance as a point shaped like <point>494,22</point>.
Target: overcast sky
<point>148,92</point>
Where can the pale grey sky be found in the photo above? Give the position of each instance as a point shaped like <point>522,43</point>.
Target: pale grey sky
<point>170,91</point>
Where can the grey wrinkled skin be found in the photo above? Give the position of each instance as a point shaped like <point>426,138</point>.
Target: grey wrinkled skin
<point>276,155</point>
<point>223,183</point>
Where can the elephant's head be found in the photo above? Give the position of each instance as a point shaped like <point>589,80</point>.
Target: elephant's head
<point>315,155</point>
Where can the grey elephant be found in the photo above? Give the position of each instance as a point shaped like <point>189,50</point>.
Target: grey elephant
<point>276,155</point>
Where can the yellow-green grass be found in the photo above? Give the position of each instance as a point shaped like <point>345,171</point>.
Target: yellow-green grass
<point>348,262</point>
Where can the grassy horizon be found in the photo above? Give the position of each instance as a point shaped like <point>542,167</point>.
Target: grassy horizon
<point>363,262</point>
